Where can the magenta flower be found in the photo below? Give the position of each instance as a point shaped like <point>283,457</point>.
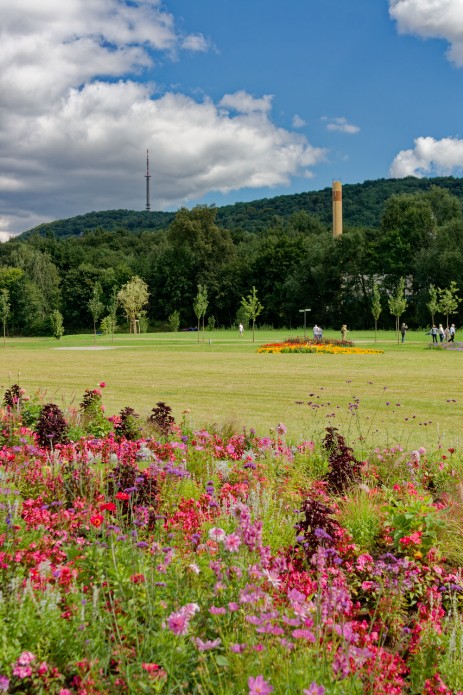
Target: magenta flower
<point>259,686</point>
<point>215,610</point>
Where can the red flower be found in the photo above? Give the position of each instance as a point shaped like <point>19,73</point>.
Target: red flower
<point>138,578</point>
<point>96,520</point>
<point>102,384</point>
<point>108,506</point>
<point>123,496</point>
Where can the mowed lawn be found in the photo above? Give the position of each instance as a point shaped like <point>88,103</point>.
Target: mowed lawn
<point>409,395</point>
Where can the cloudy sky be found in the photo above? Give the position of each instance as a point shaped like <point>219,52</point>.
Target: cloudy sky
<point>235,99</point>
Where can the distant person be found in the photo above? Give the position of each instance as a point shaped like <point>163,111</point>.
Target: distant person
<point>315,332</point>
<point>343,332</point>
<point>320,334</point>
<point>403,331</point>
<point>447,334</point>
<point>452,333</point>
<point>434,333</point>
<point>441,333</point>
<point>241,329</point>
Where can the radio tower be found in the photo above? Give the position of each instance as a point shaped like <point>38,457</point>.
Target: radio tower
<point>147,177</point>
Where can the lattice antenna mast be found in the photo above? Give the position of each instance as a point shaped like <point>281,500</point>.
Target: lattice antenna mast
<point>147,177</point>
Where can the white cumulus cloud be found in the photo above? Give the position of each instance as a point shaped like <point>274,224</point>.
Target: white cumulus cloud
<point>429,157</point>
<point>441,19</point>
<point>76,116</point>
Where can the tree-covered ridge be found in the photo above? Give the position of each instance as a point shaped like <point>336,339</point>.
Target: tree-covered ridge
<point>363,204</point>
<point>110,220</point>
<point>293,262</point>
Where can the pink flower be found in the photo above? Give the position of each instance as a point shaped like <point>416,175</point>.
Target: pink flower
<point>207,645</point>
<point>238,648</point>
<point>300,633</point>
<point>178,623</point>
<point>22,671</point>
<point>25,658</point>
<point>102,384</point>
<point>214,610</point>
<point>232,542</point>
<point>217,534</point>
<point>259,686</point>
<point>314,689</point>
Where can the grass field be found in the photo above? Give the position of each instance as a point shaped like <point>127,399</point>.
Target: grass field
<point>409,395</point>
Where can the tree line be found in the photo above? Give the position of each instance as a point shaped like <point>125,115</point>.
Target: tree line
<point>293,263</point>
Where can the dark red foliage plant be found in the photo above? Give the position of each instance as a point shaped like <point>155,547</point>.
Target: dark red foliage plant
<point>161,418</point>
<point>51,427</point>
<point>344,468</point>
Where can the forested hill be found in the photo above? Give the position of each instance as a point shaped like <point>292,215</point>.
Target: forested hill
<point>363,204</point>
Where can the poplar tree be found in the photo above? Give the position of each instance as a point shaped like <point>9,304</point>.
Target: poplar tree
<point>376,307</point>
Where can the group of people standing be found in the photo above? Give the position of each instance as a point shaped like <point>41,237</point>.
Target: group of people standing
<point>447,334</point>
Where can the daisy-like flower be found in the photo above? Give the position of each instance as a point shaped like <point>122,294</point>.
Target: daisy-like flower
<point>259,686</point>
<point>217,534</point>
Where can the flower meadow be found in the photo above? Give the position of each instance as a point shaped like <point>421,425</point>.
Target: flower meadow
<point>138,555</point>
<point>325,345</point>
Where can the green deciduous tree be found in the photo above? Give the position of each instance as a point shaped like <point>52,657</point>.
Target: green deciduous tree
<point>448,300</point>
<point>4,310</point>
<point>200,306</point>
<point>56,323</point>
<point>109,322</point>
<point>252,308</point>
<point>133,296</point>
<point>96,307</point>
<point>398,304</point>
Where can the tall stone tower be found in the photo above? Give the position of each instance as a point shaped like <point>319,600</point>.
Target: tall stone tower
<point>337,209</point>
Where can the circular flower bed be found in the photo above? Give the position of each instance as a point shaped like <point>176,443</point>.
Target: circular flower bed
<point>330,346</point>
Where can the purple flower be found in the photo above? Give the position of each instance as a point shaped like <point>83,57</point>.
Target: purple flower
<point>259,686</point>
<point>4,684</point>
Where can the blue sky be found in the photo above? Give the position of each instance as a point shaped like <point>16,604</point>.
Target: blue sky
<point>235,99</point>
